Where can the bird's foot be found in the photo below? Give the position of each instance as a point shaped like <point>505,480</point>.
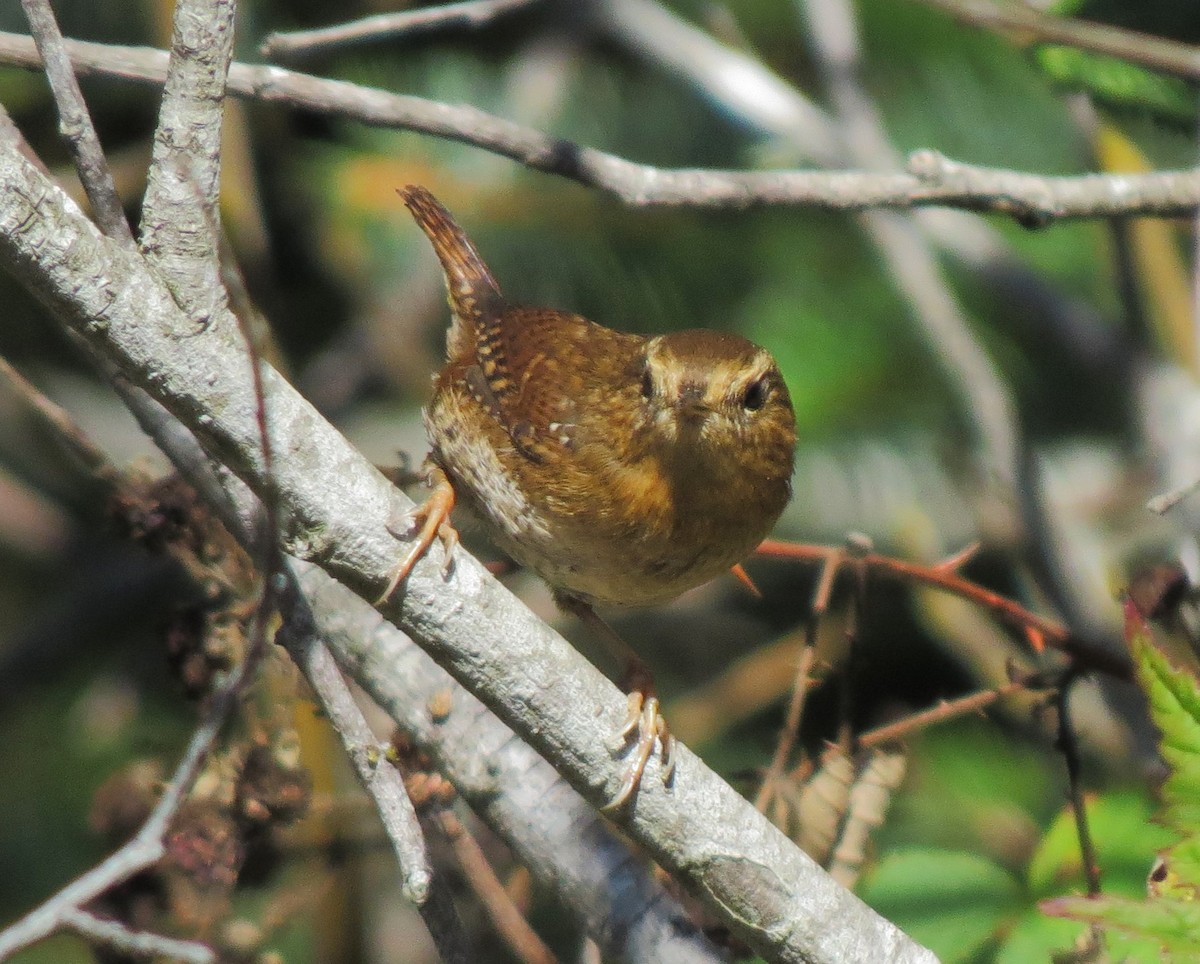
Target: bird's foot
<point>645,721</point>
<point>430,520</point>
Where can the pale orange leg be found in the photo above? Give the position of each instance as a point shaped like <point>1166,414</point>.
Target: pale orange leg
<point>433,518</point>
<point>644,722</point>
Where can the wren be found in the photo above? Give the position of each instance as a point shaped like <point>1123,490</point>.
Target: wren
<point>622,469</point>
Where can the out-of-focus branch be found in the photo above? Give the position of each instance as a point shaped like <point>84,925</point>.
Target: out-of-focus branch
<point>934,181</point>
<point>140,944</point>
<point>383,783</point>
<point>387,26</point>
<point>1157,53</point>
<point>147,846</point>
<point>934,310</point>
<point>738,84</point>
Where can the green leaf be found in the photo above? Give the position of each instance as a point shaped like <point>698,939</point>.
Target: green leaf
<point>1036,937</point>
<point>1117,83</point>
<point>952,902</point>
<point>1175,709</point>
<point>1173,924</point>
<point>1179,873</point>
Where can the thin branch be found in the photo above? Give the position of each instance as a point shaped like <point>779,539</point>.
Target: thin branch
<point>790,732</point>
<point>1038,630</point>
<point>509,922</point>
<point>147,846</point>
<point>75,123</point>
<point>1068,745</point>
<point>1157,53</point>
<point>60,426</point>
<point>935,181</point>
<point>381,781</point>
<point>469,14</point>
<point>336,507</point>
<point>1164,502</point>
<point>136,943</point>
<point>942,713</point>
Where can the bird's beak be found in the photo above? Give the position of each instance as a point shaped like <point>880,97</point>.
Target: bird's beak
<point>691,403</point>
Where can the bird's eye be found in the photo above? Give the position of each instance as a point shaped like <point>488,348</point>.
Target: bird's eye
<point>647,386</point>
<point>755,396</point>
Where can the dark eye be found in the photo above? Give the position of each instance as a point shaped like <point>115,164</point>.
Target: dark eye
<point>756,396</point>
<point>647,386</point>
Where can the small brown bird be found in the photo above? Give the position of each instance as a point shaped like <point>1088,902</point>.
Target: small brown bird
<point>623,470</point>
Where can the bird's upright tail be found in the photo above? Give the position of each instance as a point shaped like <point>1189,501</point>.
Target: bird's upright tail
<point>472,289</point>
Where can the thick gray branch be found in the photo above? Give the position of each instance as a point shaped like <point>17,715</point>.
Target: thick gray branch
<point>337,507</point>
<point>552,830</point>
<point>179,213</point>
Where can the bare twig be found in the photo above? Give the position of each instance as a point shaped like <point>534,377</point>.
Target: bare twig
<point>1164,502</point>
<point>943,712</point>
<point>935,311</point>
<point>136,943</point>
<point>1157,53</point>
<point>1038,631</point>
<point>382,782</point>
<point>75,123</point>
<point>60,425</point>
<point>509,922</point>
<point>936,182</point>
<point>470,14</point>
<point>147,846</point>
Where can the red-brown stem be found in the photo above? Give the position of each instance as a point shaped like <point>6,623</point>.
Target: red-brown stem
<point>509,922</point>
<point>946,710</point>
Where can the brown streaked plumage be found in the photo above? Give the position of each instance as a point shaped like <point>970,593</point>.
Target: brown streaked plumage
<point>623,469</point>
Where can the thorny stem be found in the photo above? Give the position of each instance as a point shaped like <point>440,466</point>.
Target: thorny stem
<point>1038,631</point>
<point>791,725</point>
<point>944,711</point>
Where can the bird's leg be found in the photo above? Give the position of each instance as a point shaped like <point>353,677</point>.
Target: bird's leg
<point>433,519</point>
<point>644,720</point>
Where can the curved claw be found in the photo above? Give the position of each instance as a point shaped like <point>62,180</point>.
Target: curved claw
<point>646,721</point>
<point>433,517</point>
